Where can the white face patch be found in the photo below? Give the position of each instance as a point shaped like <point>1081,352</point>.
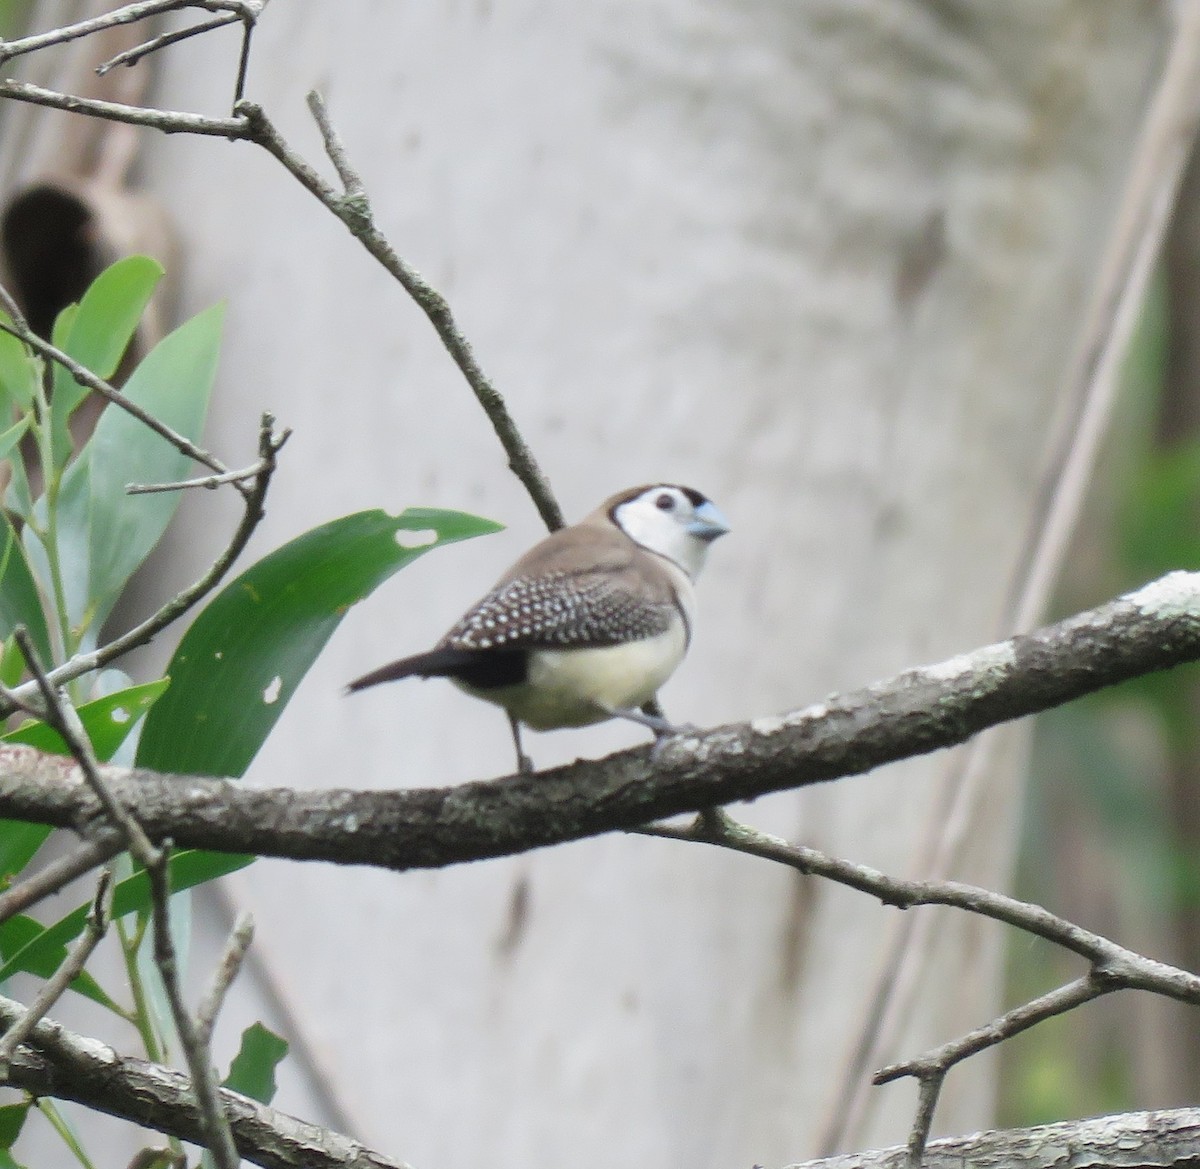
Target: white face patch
<point>661,520</point>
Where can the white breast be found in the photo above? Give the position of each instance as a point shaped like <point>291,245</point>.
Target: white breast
<point>572,687</point>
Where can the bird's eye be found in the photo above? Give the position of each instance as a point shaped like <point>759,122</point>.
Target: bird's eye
<point>665,502</point>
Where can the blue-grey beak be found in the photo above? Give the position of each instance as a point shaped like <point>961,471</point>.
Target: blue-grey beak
<point>707,523</point>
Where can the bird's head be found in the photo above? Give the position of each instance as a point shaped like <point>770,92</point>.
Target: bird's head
<point>676,522</point>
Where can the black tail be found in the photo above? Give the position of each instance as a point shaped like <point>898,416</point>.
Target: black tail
<point>483,669</point>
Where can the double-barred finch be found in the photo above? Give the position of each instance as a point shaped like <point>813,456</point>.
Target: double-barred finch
<point>589,623</point>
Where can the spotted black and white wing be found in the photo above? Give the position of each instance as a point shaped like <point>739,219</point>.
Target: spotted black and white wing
<point>560,610</point>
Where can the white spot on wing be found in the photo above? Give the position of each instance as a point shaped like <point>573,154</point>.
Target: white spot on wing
<point>271,693</point>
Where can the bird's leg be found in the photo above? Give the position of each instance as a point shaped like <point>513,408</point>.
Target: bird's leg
<point>524,763</point>
<point>662,726</point>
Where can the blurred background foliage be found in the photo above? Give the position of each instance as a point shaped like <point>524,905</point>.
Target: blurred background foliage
<point>1111,838</point>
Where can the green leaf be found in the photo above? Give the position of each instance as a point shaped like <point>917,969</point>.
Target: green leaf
<point>108,721</point>
<point>252,1071</point>
<point>39,950</point>
<point>19,843</point>
<point>20,600</point>
<point>96,334</point>
<point>12,1118</point>
<point>21,934</point>
<point>240,662</point>
<point>173,383</point>
<point>19,369</point>
<point>10,437</point>
<point>12,663</point>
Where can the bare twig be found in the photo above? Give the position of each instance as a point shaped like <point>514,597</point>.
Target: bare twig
<point>354,210</point>
<point>59,873</point>
<point>98,918</point>
<point>351,179</point>
<point>213,1121</point>
<point>138,52</point>
<point>168,121</point>
<point>85,377</point>
<point>1113,966</point>
<point>226,971</point>
<point>10,306</point>
<point>247,10</point>
<point>351,206</point>
<point>210,482</point>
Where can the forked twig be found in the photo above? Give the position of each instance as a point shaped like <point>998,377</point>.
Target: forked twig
<point>1113,967</point>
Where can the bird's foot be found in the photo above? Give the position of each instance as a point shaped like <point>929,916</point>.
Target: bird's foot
<point>524,764</point>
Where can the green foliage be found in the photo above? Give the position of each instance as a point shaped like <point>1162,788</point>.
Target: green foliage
<point>67,551</point>
<point>41,952</point>
<point>12,1120</point>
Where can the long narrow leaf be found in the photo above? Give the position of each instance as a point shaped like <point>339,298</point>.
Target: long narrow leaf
<point>97,334</point>
<point>20,600</point>
<point>240,662</point>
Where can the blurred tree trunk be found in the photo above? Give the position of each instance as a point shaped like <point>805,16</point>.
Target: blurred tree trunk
<point>822,261</point>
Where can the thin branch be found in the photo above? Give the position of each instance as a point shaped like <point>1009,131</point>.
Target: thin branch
<point>929,1089</point>
<point>916,712</point>
<point>85,377</point>
<point>59,873</point>
<point>247,10</point>
<point>354,210</point>
<point>1116,966</point>
<point>214,1123</point>
<point>139,52</point>
<point>1113,966</point>
<point>227,969</point>
<point>98,918</point>
<point>210,482</point>
<point>10,306</point>
<point>352,182</point>
<point>62,716</point>
<point>168,121</point>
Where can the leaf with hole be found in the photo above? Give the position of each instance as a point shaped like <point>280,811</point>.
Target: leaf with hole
<point>252,1071</point>
<point>240,662</point>
<point>108,721</point>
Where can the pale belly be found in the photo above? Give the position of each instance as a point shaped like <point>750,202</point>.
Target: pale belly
<point>572,688</point>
